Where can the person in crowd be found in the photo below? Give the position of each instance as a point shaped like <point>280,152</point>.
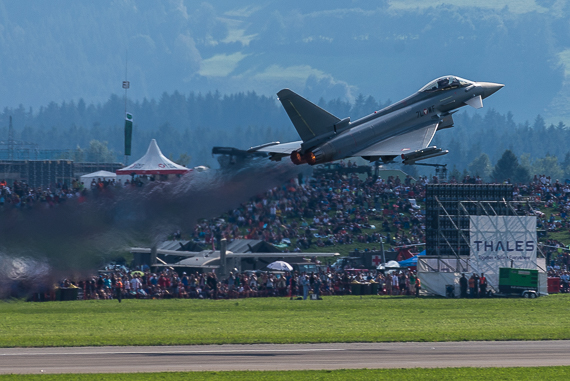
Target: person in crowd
<point>395,284</point>
<point>317,287</point>
<point>119,289</point>
<point>253,285</point>
<point>565,280</point>
<point>463,286</point>
<point>135,285</point>
<point>472,286</point>
<point>270,285</point>
<point>389,284</point>
<point>305,284</point>
<point>281,286</point>
<point>482,286</point>
<point>412,281</point>
<point>293,286</point>
<point>127,285</point>
<point>212,282</point>
<point>418,286</point>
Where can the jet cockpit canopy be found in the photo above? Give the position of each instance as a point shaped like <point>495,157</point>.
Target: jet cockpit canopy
<point>445,83</point>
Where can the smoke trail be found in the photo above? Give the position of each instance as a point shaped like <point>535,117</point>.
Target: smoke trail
<point>22,275</point>
<point>41,245</point>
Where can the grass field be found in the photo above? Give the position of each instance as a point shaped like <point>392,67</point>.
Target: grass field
<point>280,320</point>
<point>543,373</point>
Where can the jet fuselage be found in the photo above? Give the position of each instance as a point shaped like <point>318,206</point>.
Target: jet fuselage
<point>404,116</point>
<point>404,128</point>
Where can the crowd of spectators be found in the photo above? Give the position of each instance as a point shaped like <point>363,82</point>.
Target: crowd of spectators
<point>167,284</point>
<point>124,284</point>
<point>20,195</point>
<point>327,210</point>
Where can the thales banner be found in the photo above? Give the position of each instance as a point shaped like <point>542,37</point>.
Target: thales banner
<point>502,241</point>
<point>503,238</point>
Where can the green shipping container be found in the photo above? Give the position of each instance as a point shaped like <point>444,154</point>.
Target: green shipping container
<point>516,280</point>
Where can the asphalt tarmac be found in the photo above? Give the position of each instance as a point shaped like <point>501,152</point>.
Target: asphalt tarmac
<point>284,357</point>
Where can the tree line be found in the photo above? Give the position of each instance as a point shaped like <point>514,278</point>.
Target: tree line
<point>187,126</point>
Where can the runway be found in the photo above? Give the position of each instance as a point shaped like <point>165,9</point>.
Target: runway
<point>284,357</point>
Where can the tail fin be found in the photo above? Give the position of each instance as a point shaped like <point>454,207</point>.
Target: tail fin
<point>309,119</point>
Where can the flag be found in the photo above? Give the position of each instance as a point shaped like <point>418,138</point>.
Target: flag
<point>128,133</point>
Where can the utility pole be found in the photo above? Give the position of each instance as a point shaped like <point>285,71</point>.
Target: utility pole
<point>382,250</point>
<point>10,140</point>
<point>126,85</point>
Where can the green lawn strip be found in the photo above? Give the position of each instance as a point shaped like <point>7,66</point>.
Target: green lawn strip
<point>535,373</point>
<point>280,320</point>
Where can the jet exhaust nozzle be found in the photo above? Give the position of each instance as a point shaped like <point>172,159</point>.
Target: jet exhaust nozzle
<point>322,154</point>
<point>310,158</point>
<point>297,158</point>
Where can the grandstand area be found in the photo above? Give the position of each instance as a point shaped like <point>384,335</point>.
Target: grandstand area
<point>340,211</point>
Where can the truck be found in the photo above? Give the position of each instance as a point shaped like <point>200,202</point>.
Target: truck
<point>523,282</point>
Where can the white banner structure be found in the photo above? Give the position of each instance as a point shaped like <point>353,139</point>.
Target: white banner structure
<point>502,241</point>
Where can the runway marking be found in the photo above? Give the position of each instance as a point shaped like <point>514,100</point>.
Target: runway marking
<point>283,357</point>
<point>173,352</point>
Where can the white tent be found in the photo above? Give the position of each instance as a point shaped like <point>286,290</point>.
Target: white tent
<point>390,265</point>
<point>103,175</point>
<point>153,163</point>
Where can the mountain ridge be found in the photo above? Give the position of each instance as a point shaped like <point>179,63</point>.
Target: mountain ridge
<point>67,50</point>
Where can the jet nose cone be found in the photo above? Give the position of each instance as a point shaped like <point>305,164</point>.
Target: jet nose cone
<point>490,88</point>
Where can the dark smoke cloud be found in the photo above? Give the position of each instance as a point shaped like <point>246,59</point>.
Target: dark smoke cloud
<point>41,245</point>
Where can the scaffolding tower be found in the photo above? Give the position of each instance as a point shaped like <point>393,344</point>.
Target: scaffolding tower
<point>448,211</point>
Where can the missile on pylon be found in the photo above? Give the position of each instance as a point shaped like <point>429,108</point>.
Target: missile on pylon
<point>422,154</point>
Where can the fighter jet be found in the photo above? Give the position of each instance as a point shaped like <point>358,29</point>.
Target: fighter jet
<point>403,129</point>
